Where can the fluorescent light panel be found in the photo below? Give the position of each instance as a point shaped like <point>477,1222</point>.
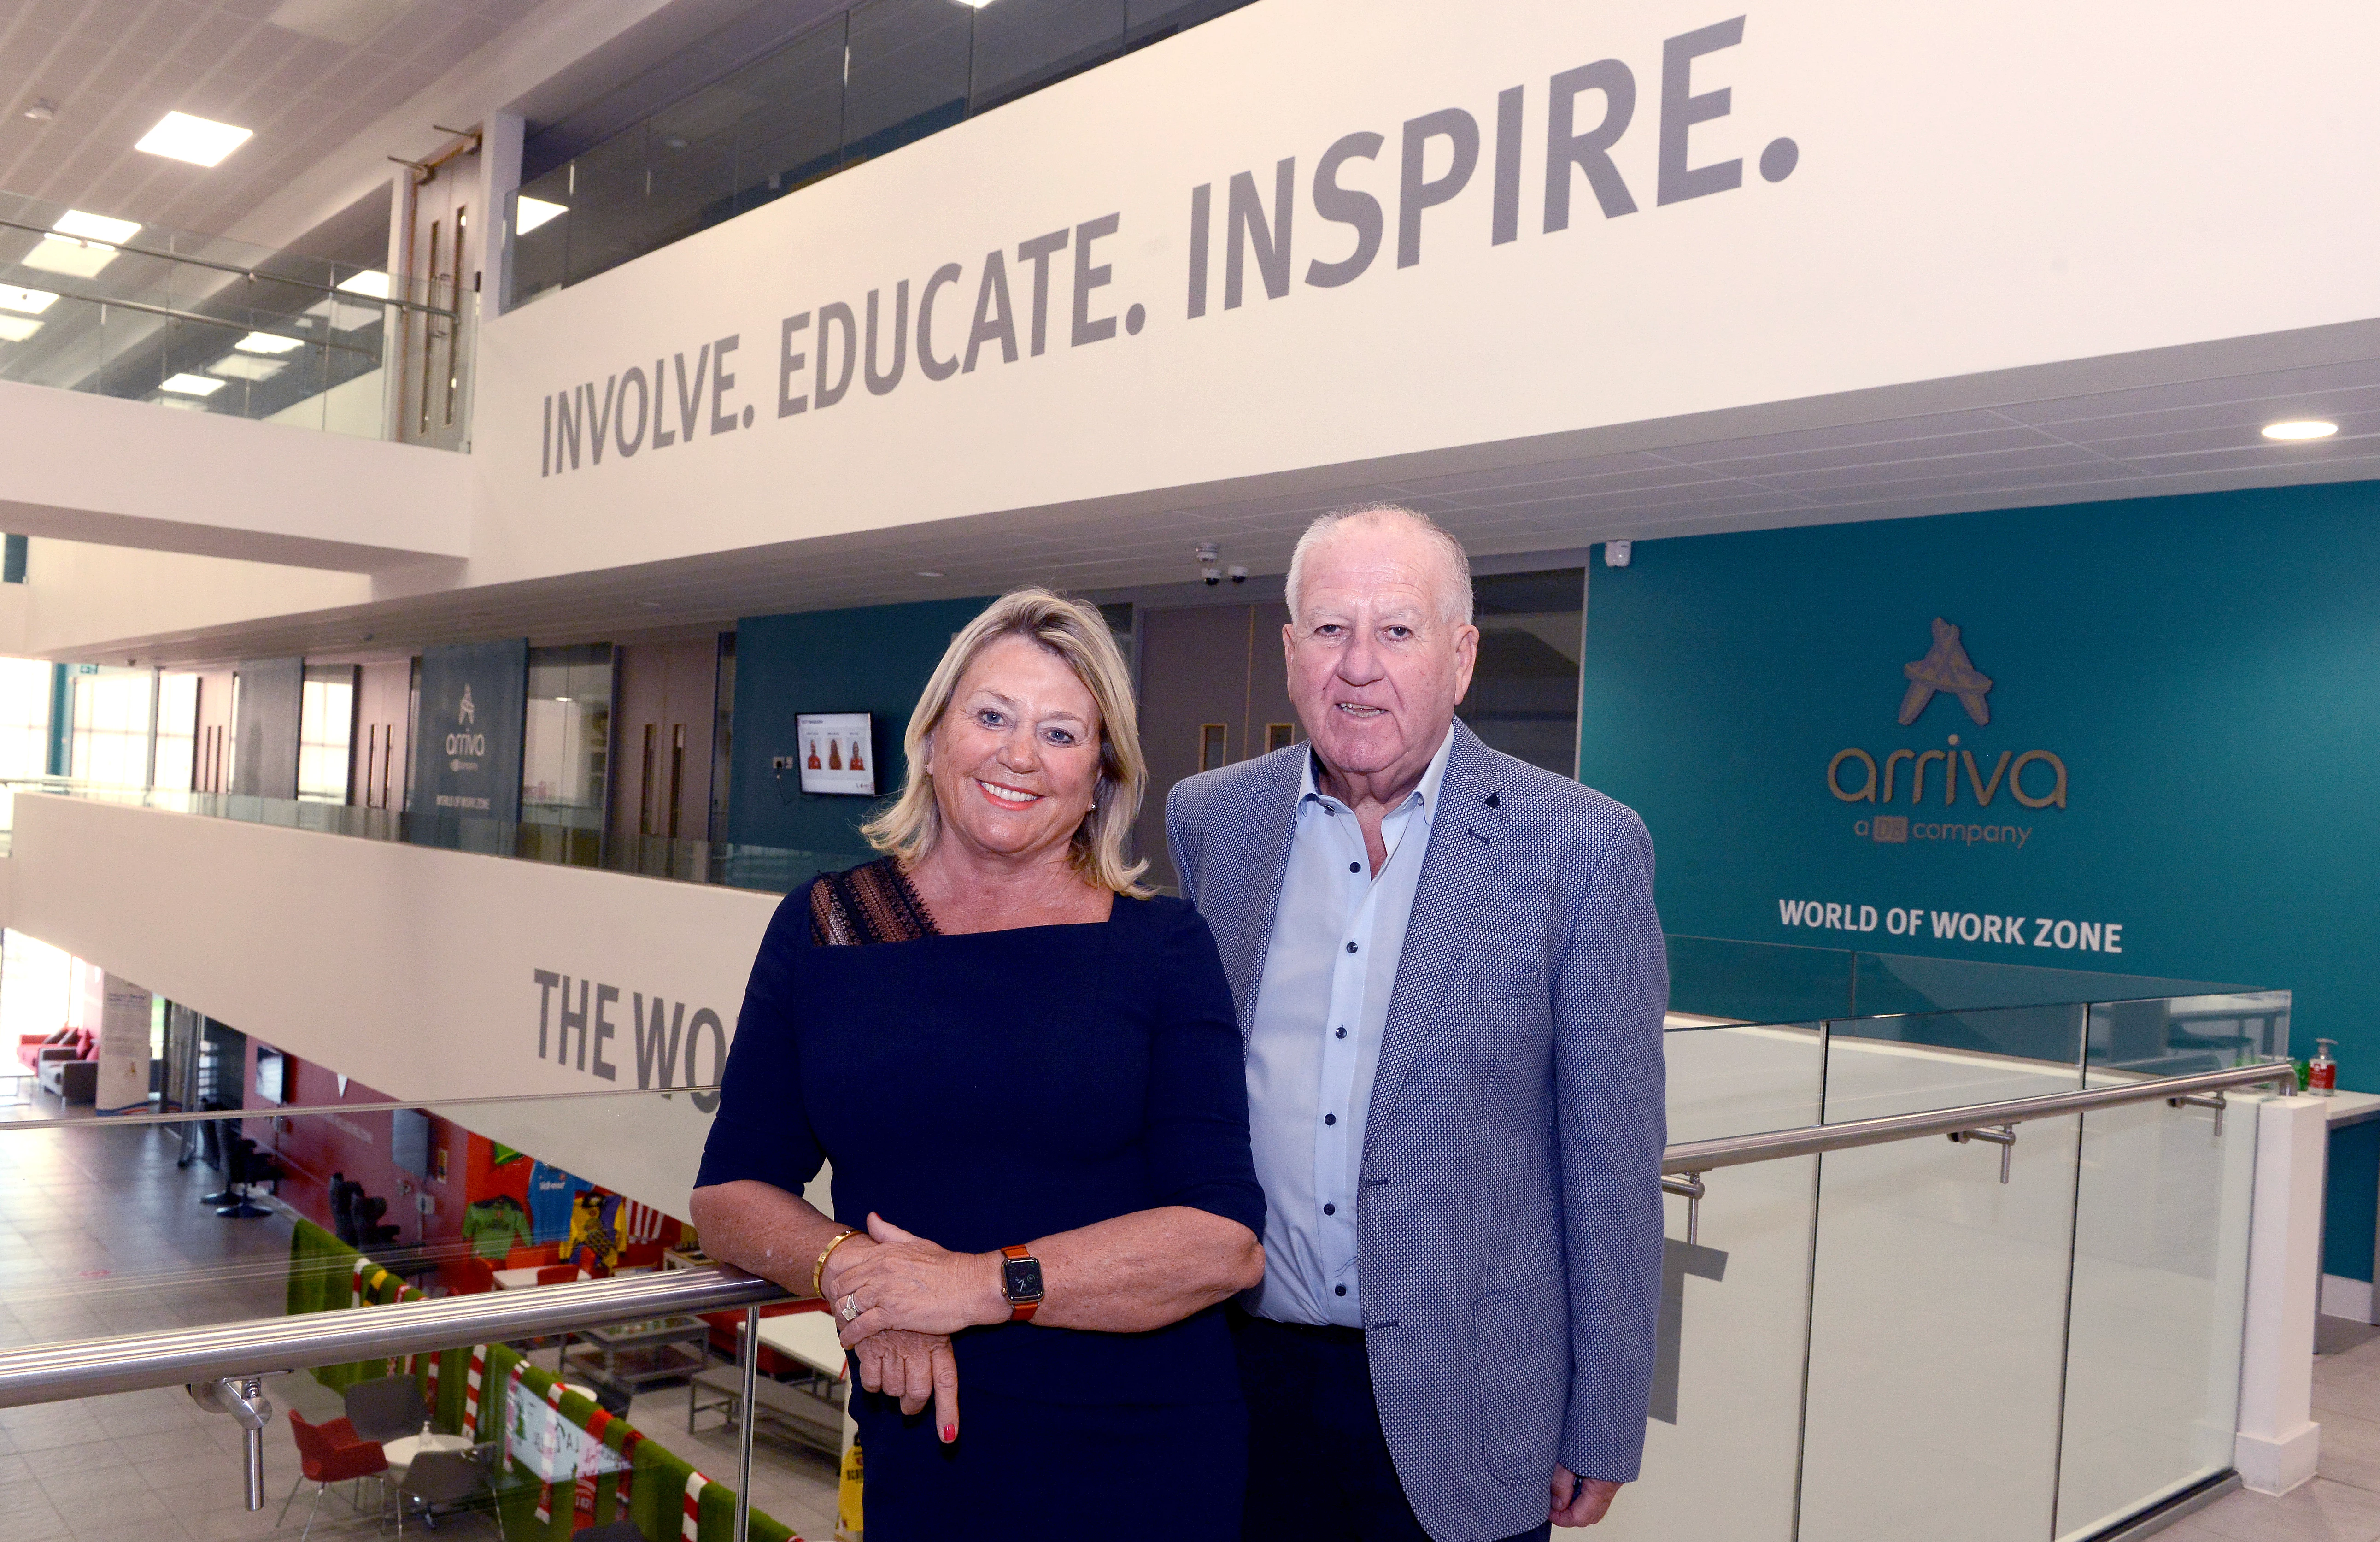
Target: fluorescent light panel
<point>33,303</point>
<point>96,227</point>
<point>535,212</point>
<point>192,384</point>
<point>200,141</point>
<point>63,254</point>
<point>16,329</point>
<point>2299,429</point>
<point>265,342</point>
<point>247,366</point>
<point>372,284</point>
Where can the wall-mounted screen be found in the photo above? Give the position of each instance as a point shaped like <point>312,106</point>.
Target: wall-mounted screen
<point>409,1143</point>
<point>837,753</point>
<point>271,1070</point>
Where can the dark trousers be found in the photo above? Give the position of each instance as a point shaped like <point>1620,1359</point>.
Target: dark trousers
<point>1318,1465</point>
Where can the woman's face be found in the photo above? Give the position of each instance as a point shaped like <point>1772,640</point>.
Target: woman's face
<point>1015,759</point>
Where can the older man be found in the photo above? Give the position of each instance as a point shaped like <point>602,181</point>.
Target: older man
<point>1451,980</point>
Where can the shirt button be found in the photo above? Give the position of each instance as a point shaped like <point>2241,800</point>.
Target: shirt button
<point>1330,1210</point>
<point>1343,1032</point>
<point>1330,1119</point>
<point>1350,947</point>
<point>1355,867</point>
<point>1338,1290</point>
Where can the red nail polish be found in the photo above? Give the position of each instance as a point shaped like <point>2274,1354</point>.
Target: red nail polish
<point>950,1433</point>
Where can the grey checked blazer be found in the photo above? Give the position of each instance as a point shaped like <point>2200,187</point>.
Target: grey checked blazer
<point>1509,1221</point>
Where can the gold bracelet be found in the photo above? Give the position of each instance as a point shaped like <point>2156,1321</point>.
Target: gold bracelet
<point>818,1270</point>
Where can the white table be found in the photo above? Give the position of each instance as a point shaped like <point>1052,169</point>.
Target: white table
<point>400,1453</point>
<point>518,1279</point>
<point>807,1337</point>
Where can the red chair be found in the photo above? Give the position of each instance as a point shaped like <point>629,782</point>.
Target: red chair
<point>557,1274</point>
<point>467,1276</point>
<point>533,1257</point>
<point>328,1454</point>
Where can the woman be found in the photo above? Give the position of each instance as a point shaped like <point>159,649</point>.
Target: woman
<point>1004,1044</point>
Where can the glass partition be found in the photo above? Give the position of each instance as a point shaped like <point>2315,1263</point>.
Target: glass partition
<point>200,324</point>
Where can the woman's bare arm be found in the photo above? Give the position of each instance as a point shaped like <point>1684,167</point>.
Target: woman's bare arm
<point>1128,1275</point>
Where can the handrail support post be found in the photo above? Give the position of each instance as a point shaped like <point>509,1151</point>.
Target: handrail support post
<point>2002,1135</point>
<point>1688,1187</point>
<point>2210,1100</point>
<point>243,1398</point>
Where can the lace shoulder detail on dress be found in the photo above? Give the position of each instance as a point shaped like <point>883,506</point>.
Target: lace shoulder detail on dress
<point>869,903</point>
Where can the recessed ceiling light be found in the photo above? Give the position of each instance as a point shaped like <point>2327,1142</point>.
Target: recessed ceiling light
<point>192,385</point>
<point>265,342</point>
<point>2300,428</point>
<point>535,212</point>
<point>200,141</point>
<point>55,253</point>
<point>16,329</point>
<point>927,572</point>
<point>96,227</point>
<point>372,284</point>
<point>243,366</point>
<point>179,404</point>
<point>30,302</point>
<point>42,110</point>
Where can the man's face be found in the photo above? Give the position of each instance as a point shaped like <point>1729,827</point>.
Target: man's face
<point>1375,668</point>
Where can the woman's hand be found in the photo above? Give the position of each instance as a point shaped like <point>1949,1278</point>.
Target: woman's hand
<point>913,1368</point>
<point>907,1283</point>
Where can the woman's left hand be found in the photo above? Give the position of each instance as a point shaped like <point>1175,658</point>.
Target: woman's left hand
<point>908,1282</point>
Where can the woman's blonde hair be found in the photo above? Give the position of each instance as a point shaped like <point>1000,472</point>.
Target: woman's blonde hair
<point>1078,634</point>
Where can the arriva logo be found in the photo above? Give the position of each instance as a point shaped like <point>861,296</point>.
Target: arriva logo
<point>470,714</point>
<point>461,743</point>
<point>2035,778</point>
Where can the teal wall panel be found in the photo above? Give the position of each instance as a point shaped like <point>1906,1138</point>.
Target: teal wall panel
<point>875,659</point>
<point>2206,668</point>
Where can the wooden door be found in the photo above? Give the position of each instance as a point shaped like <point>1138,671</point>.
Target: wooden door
<point>1213,692</point>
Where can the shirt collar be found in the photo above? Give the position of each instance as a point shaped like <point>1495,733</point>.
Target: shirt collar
<point>1424,797</point>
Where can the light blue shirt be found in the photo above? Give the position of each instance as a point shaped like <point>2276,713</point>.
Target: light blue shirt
<point>1316,1039</point>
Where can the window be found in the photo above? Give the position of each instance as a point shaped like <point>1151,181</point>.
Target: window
<point>177,731</point>
<point>326,726</point>
<point>566,758</point>
<point>25,716</point>
<point>1212,740</point>
<point>110,744</point>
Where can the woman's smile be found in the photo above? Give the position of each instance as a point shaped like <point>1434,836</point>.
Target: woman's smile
<point>1007,797</point>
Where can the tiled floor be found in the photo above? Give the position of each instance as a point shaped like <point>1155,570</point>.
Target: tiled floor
<point>2342,1504</point>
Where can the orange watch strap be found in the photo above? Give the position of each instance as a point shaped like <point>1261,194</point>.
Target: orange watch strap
<point>1020,1311</point>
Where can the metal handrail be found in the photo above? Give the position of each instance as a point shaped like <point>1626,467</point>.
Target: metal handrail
<point>90,1367</point>
<point>234,269</point>
<point>1733,1151</point>
<point>132,1362</point>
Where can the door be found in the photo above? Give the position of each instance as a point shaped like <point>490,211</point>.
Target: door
<point>1213,692</point>
<point>667,699</point>
<point>384,749</point>
<point>439,267</point>
<point>211,756</point>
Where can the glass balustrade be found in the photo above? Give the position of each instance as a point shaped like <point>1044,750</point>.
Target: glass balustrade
<point>1900,1339</point>
<point>204,324</point>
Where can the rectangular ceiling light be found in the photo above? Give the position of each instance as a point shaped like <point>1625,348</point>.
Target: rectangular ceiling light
<point>265,342</point>
<point>96,227</point>
<point>245,366</point>
<point>16,329</point>
<point>33,303</point>
<point>535,212</point>
<point>200,141</point>
<point>372,284</point>
<point>192,384</point>
<point>55,254</point>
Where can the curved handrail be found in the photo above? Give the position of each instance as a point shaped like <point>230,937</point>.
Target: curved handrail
<point>90,1367</point>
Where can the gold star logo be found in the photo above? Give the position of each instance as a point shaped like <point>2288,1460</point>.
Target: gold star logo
<point>1945,668</point>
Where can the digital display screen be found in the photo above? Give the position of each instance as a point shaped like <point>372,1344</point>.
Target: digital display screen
<point>837,753</point>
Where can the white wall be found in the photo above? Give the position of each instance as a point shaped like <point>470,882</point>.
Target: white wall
<point>413,970</point>
<point>76,593</point>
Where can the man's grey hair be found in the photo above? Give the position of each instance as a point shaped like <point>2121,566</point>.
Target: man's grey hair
<point>1454,594</point>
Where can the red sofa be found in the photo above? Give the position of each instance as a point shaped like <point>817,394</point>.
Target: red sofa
<point>81,1041</point>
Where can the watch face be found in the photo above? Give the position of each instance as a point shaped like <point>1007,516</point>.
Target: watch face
<point>1020,1279</point>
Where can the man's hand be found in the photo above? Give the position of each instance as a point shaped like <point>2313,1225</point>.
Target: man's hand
<point>1580,1502</point>
<point>913,1368</point>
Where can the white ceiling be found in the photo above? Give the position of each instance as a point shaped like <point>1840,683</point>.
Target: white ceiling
<point>116,67</point>
<point>2024,449</point>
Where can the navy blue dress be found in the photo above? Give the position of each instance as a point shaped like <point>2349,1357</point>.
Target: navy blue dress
<point>991,1088</point>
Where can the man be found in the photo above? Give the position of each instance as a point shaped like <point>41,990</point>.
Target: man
<point>1451,981</point>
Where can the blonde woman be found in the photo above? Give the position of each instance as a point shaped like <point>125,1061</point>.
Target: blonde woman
<point>1026,1071</point>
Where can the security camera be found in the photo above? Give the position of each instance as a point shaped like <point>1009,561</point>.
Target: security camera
<point>1212,574</point>
<point>1239,574</point>
<point>1616,553</point>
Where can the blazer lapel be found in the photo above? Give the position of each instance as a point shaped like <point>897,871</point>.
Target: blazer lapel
<point>1447,902</point>
<point>1249,893</point>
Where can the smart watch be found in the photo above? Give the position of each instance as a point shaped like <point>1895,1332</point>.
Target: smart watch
<point>1020,1282</point>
